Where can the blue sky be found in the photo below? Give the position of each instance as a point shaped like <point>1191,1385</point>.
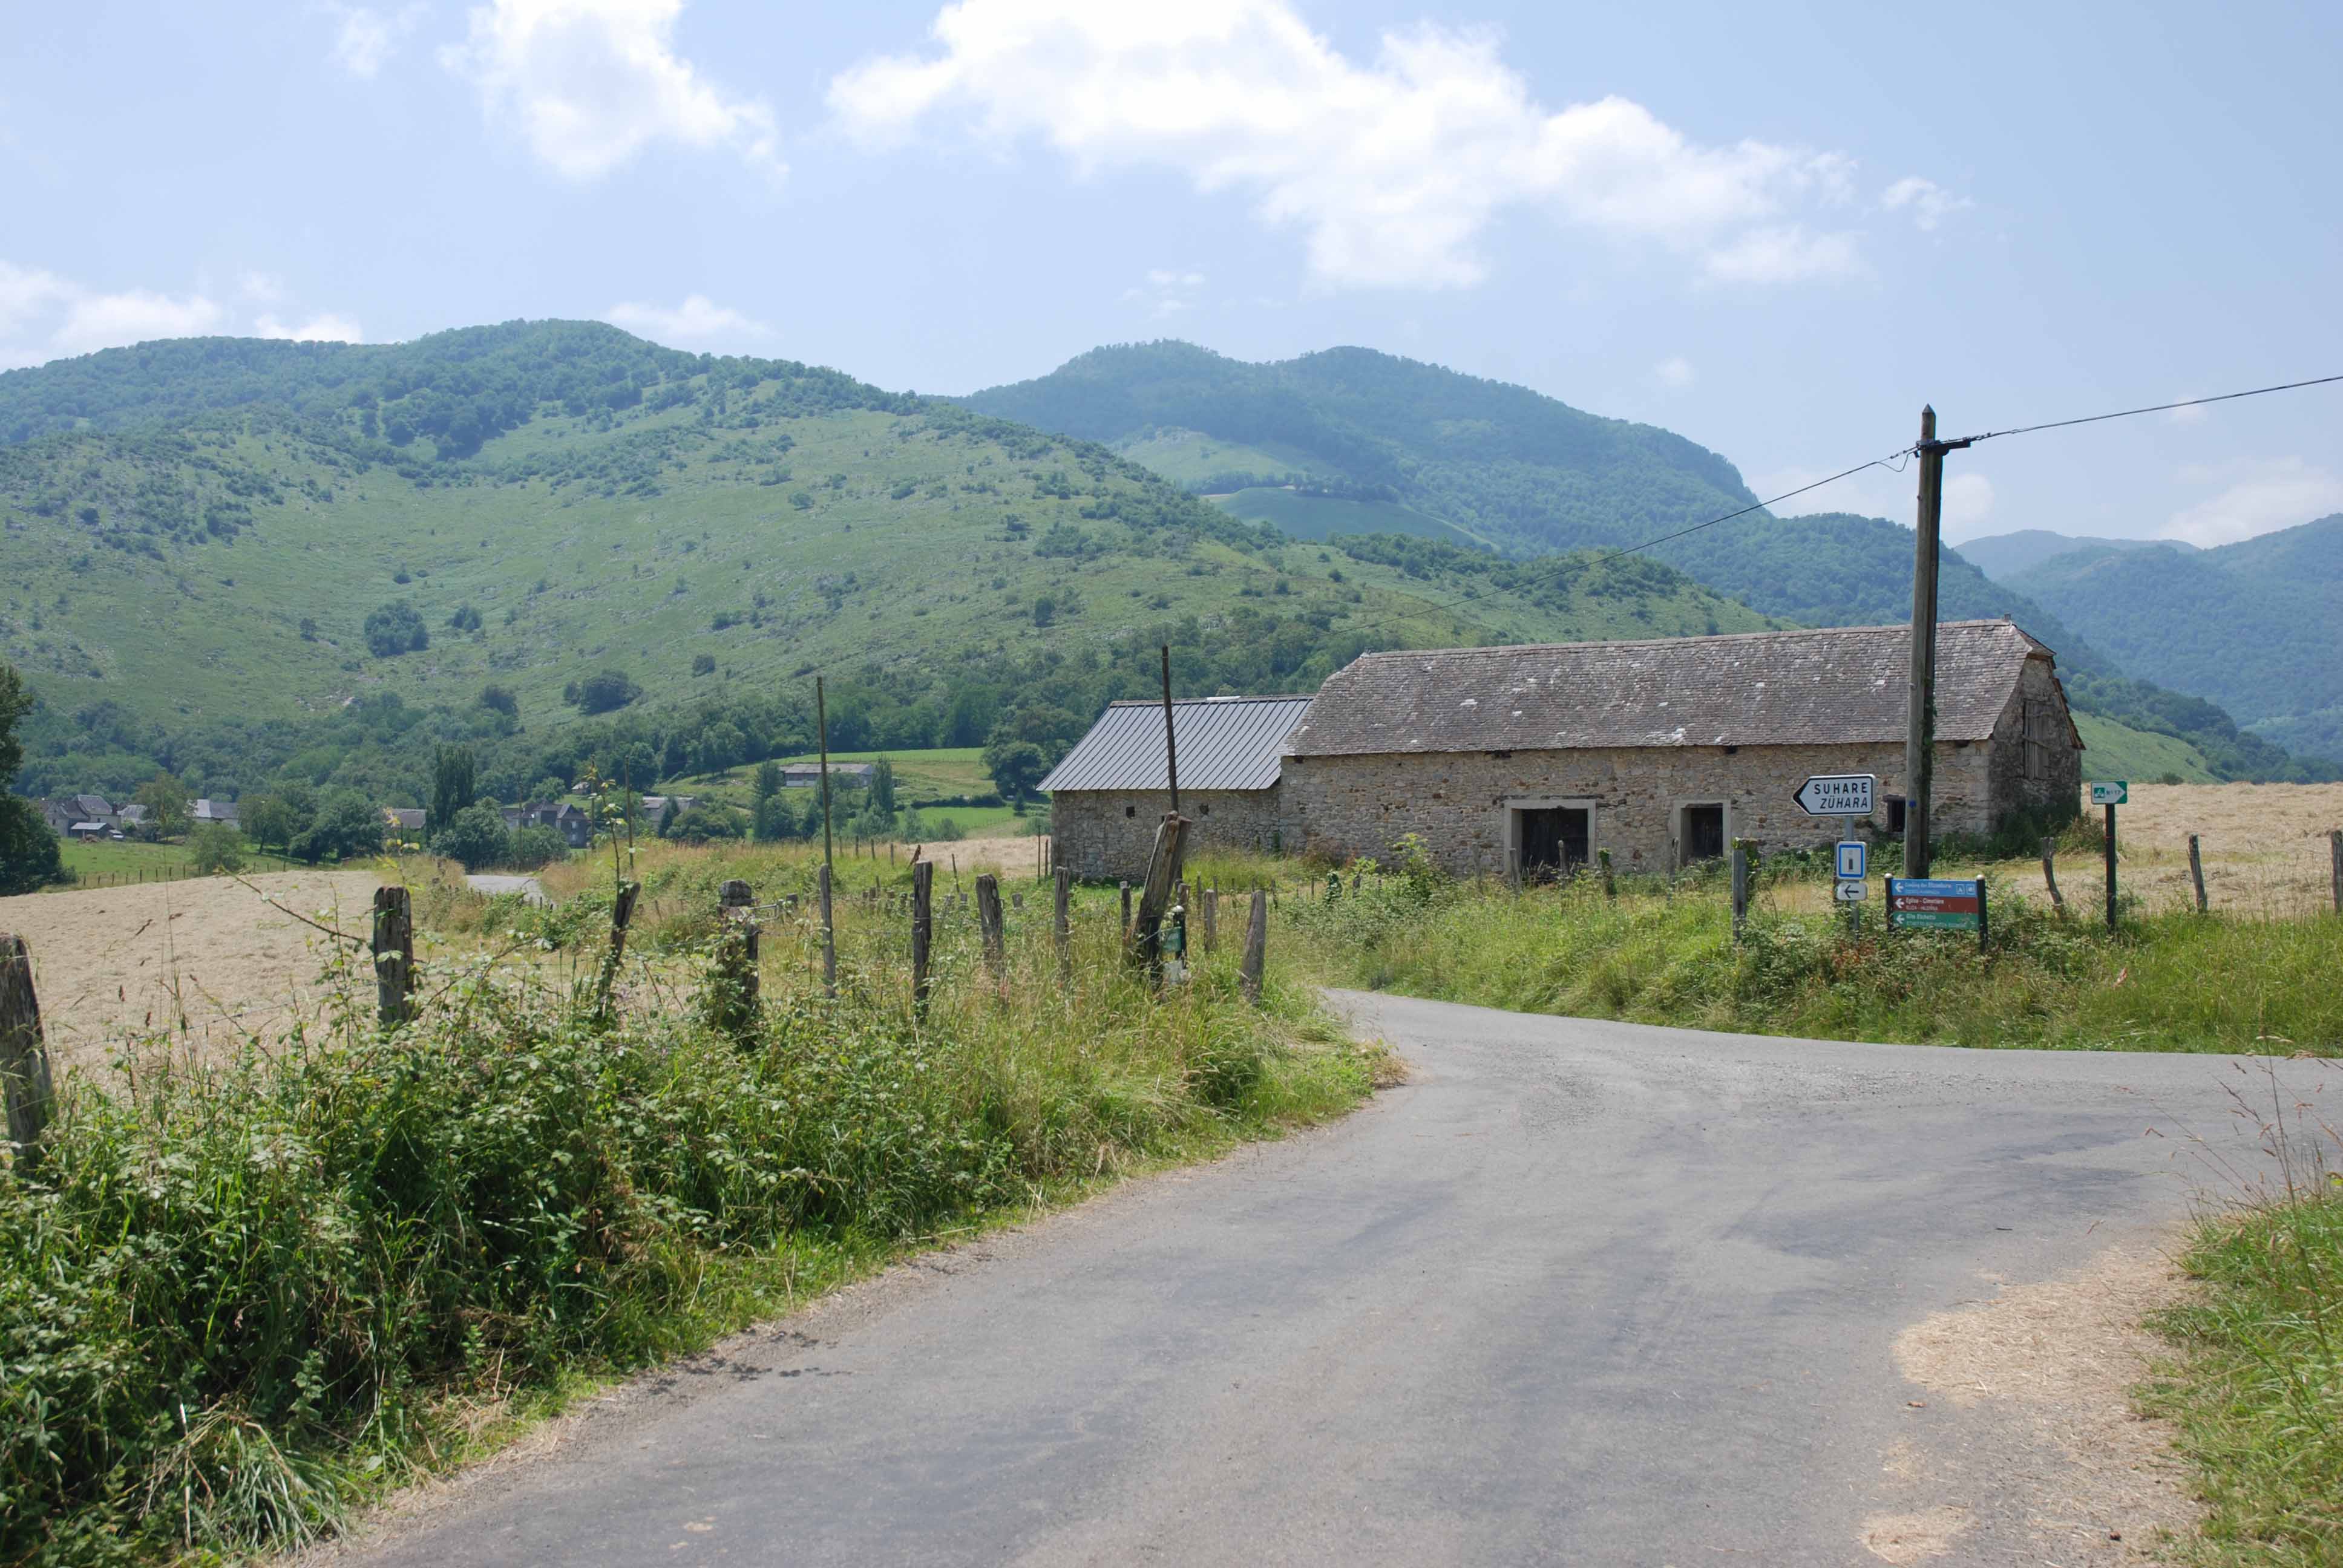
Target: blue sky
<point>1775,231</point>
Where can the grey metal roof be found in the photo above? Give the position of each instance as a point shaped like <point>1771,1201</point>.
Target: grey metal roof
<point>1751,688</point>
<point>1225,743</point>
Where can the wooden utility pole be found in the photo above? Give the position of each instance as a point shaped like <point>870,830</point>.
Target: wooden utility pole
<point>1170,749</point>
<point>1146,935</point>
<point>1920,733</point>
<point>24,1055</point>
<point>924,931</point>
<point>394,955</point>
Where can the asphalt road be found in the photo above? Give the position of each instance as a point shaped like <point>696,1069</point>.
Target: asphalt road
<point>1577,1293</point>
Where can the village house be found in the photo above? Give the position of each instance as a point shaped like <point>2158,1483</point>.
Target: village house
<point>409,821</point>
<point>221,811</point>
<point>1662,752</point>
<point>1108,795</point>
<point>574,823</point>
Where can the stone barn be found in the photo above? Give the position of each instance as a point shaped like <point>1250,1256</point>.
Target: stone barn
<point>1108,794</point>
<point>1664,752</point>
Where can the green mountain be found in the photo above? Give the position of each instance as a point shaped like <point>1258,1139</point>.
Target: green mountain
<point>2251,625</point>
<point>246,560</point>
<point>1350,440</point>
<point>2002,557</point>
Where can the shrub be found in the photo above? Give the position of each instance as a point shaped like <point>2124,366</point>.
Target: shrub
<point>215,847</point>
<point>537,846</point>
<point>477,836</point>
<point>395,628</point>
<point>604,692</point>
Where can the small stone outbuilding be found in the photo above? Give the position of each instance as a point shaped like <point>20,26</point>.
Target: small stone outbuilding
<point>1665,751</point>
<point>1108,794</point>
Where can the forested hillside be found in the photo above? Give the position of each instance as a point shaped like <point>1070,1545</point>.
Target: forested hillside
<point>241,560</point>
<point>2252,626</point>
<point>1350,429</point>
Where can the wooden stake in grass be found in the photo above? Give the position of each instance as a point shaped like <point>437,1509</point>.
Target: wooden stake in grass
<point>1145,949</point>
<point>394,955</point>
<point>24,1054</point>
<point>1610,888</point>
<point>924,931</point>
<point>2197,872</point>
<point>1740,886</point>
<point>1256,948</point>
<point>2335,850</point>
<point>1063,929</point>
<point>989,924</point>
<point>622,914</point>
<point>1126,908</point>
<point>2050,874</point>
<point>1211,917</point>
<point>737,959</point>
<point>828,937</point>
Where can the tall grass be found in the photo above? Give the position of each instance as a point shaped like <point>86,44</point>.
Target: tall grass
<point>235,1297</point>
<point>2256,1390</point>
<point>2175,981</point>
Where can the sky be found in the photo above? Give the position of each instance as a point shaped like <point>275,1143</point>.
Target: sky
<point>1775,230</point>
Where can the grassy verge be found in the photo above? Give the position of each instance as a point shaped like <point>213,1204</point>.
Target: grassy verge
<point>2257,1386</point>
<point>2175,981</point>
<point>237,1298</point>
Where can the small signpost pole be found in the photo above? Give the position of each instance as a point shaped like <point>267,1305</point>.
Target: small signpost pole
<point>2111,795</point>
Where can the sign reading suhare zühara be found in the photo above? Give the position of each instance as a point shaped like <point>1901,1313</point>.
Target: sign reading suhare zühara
<point>1837,795</point>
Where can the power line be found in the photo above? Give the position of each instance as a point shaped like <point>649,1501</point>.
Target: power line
<point>2155,409</point>
<point>1892,462</point>
<point>1889,462</point>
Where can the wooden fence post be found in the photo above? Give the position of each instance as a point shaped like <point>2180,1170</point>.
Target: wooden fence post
<point>923,890</point>
<point>1610,888</point>
<point>736,956</point>
<point>2335,850</point>
<point>1256,948</point>
<point>987,921</point>
<point>24,1054</point>
<point>1064,926</point>
<point>622,914</point>
<point>394,955</point>
<point>2197,872</point>
<point>1126,907</point>
<point>1211,917</point>
<point>2050,874</point>
<point>1145,937</point>
<point>1740,886</point>
<point>828,937</point>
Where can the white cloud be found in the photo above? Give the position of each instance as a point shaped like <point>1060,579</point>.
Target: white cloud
<point>1393,170</point>
<point>1168,292</point>
<point>1969,501</point>
<point>1674,371</point>
<point>699,321</point>
<point>1930,203</point>
<point>591,83</point>
<point>322,328</point>
<point>265,287</point>
<point>94,321</point>
<point>2258,498</point>
<point>1786,253</point>
<point>26,293</point>
<point>367,38</point>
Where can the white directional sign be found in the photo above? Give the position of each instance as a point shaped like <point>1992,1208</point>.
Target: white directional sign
<point>2116,793</point>
<point>1852,892</point>
<point>1836,795</point>
<point>1854,860</point>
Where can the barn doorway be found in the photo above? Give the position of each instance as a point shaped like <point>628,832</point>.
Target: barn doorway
<point>1703,833</point>
<point>1552,840</point>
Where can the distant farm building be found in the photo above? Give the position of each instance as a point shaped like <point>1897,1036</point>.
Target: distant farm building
<point>1108,795</point>
<point>842,775</point>
<point>1662,752</point>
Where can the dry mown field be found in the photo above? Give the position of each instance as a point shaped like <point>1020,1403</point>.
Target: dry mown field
<point>206,959</point>
<point>2264,846</point>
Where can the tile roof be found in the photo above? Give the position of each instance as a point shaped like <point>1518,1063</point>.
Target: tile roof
<point>1225,743</point>
<point>1751,688</point>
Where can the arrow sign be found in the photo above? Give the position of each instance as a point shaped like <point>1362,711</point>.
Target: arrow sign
<point>1836,795</point>
<point>2114,793</point>
<point>1852,892</point>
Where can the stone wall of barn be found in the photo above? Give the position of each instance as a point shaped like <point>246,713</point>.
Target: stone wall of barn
<point>1110,833</point>
<point>1462,803</point>
<point>2036,767</point>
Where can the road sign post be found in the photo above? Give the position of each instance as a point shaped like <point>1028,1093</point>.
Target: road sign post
<point>2111,794</point>
<point>1937,904</point>
<point>1853,867</point>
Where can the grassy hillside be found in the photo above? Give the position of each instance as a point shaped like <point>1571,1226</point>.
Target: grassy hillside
<point>2115,750</point>
<point>1531,475</point>
<point>1303,516</point>
<point>2250,625</point>
<point>199,590</point>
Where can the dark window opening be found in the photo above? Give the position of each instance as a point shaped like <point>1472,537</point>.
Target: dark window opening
<point>1206,809</point>
<point>1703,833</point>
<point>1553,842</point>
<point>1131,810</point>
<point>1896,813</point>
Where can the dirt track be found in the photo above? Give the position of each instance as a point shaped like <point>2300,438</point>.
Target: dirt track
<point>206,959</point>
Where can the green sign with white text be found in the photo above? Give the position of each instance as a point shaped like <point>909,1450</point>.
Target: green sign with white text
<point>2115,793</point>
